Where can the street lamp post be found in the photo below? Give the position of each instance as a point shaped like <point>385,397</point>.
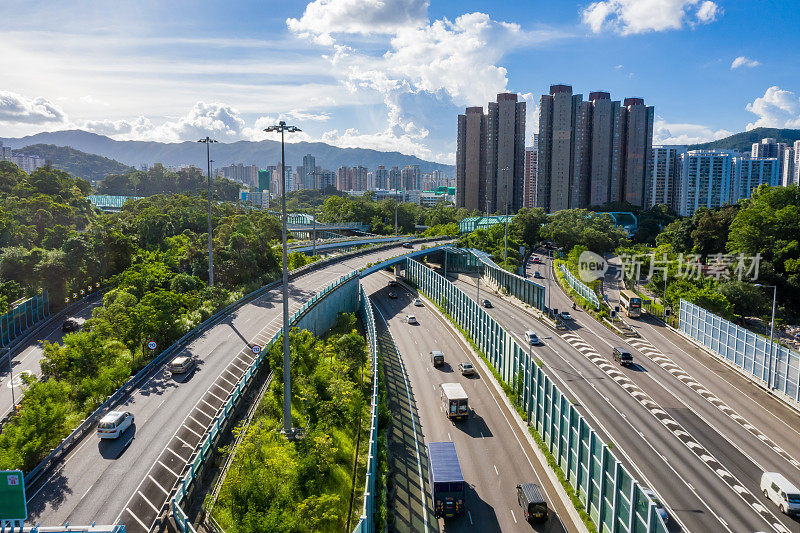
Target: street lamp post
<point>771,332</point>
<point>287,388</point>
<point>208,142</point>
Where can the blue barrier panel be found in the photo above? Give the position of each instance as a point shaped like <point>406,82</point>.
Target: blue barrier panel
<point>23,316</point>
<point>579,287</point>
<point>748,351</point>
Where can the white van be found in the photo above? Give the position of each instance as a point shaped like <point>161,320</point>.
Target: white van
<point>114,424</point>
<point>782,492</point>
<point>533,339</point>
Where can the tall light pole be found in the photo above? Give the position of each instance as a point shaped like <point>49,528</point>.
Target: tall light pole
<point>208,142</point>
<point>771,332</point>
<point>287,387</point>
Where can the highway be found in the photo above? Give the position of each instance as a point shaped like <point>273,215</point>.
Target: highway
<point>493,451</point>
<point>27,357</point>
<point>654,428</point>
<point>127,480</point>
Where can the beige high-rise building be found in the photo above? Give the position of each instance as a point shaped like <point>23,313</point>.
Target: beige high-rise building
<point>505,153</point>
<point>531,157</point>
<point>471,160</point>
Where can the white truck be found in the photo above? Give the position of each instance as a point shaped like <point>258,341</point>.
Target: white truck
<point>454,401</point>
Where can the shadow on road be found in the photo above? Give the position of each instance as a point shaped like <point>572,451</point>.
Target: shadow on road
<point>53,495</point>
<point>474,426</point>
<point>114,448</point>
<point>408,499</point>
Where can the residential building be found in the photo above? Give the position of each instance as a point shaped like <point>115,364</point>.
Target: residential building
<point>357,177</point>
<point>5,152</point>
<point>343,179</point>
<point>471,160</point>
<point>706,179</point>
<point>307,174</point>
<point>531,156</point>
<point>246,174</point>
<point>410,178</point>
<point>593,152</point>
<point>325,178</point>
<point>505,153</point>
<point>664,175</point>
<point>395,179</point>
<point>263,180</point>
<point>750,172</point>
<point>787,172</point>
<point>796,163</point>
<point>769,147</point>
<point>381,177</point>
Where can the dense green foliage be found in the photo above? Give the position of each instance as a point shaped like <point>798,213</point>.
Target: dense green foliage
<point>87,166</point>
<point>153,258</point>
<point>277,485</point>
<point>596,231</point>
<point>158,180</point>
<point>766,225</point>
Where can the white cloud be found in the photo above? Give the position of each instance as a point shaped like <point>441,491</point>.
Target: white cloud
<point>642,16</point>
<point>778,108</point>
<point>678,133</point>
<point>742,61</point>
<point>322,18</point>
<point>120,129</point>
<point>16,108</point>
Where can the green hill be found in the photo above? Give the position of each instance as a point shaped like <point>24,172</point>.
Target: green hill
<point>744,141</point>
<point>79,164</point>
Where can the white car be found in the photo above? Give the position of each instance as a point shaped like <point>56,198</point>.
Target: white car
<point>418,302</point>
<point>782,492</point>
<point>659,507</point>
<point>114,424</point>
<point>566,316</point>
<point>411,319</point>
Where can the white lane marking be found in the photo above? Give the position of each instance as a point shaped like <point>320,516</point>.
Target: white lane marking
<point>135,517</point>
<point>173,452</point>
<point>171,471</point>
<point>199,436</point>
<point>183,441</point>
<point>162,403</point>
<point>512,516</point>
<point>449,437</point>
<point>148,502</point>
<point>423,498</point>
<point>495,470</point>
<point>87,491</point>
<point>59,470</point>
<point>157,484</point>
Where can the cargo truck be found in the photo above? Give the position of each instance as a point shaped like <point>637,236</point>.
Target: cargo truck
<point>446,481</point>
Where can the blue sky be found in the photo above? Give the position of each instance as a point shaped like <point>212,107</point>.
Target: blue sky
<point>388,74</point>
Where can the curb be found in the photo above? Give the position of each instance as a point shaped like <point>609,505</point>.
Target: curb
<point>551,475</point>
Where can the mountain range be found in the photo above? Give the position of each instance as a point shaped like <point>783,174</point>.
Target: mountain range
<point>261,153</point>
<point>743,141</point>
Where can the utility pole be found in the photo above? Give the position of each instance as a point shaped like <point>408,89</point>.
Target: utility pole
<point>505,248</point>
<point>208,142</point>
<point>288,431</point>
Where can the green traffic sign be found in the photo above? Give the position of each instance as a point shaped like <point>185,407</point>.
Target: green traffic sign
<point>12,495</point>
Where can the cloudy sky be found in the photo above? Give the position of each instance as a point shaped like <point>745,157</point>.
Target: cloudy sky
<point>387,74</point>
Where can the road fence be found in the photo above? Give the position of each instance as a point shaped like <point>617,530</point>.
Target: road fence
<point>521,288</point>
<point>23,316</point>
<point>320,311</point>
<point>366,524</point>
<point>745,350</point>
<point>578,286</point>
<point>614,499</point>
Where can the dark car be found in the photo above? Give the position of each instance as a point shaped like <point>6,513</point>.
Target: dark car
<point>532,502</point>
<point>69,325</point>
<point>393,283</point>
<point>537,275</point>
<point>622,356</point>
<point>393,295</point>
<point>408,245</point>
<point>487,304</point>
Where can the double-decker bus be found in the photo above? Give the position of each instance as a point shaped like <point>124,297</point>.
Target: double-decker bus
<point>631,303</point>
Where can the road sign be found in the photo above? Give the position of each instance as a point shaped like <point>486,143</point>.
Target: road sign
<point>152,345</point>
<point>256,349</point>
<point>12,496</point>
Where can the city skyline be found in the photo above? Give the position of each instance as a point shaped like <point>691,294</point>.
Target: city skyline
<point>351,74</point>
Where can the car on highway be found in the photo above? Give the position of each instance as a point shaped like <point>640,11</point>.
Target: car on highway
<point>487,304</point>
<point>537,275</point>
<point>418,302</point>
<point>533,504</point>
<point>622,356</point>
<point>536,260</point>
<point>659,506</point>
<point>69,325</point>
<point>114,424</point>
<point>781,492</point>
<point>466,369</point>
<point>411,319</point>
<point>532,338</point>
<point>393,295</point>
<point>182,364</point>
<point>565,315</point>
<point>437,358</point>
<point>455,402</point>
<point>408,245</point>
<point>393,283</point>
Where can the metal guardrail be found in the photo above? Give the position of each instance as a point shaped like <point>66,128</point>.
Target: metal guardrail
<point>613,499</point>
<point>366,523</point>
<point>745,350</point>
<point>521,288</point>
<point>578,286</point>
<point>78,433</point>
<point>204,449</point>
